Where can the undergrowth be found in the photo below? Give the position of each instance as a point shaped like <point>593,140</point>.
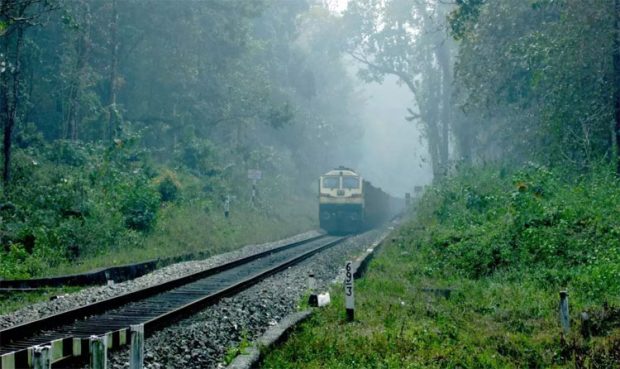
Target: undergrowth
<point>472,280</point>
<point>73,207</point>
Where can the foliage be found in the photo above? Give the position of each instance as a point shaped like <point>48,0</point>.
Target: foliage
<point>237,350</point>
<point>128,135</point>
<point>64,218</point>
<point>139,207</point>
<point>540,222</point>
<point>472,280</point>
<point>407,39</point>
<point>168,189</point>
<point>536,79</point>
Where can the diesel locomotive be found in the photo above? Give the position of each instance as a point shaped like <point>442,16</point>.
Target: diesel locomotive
<point>349,204</point>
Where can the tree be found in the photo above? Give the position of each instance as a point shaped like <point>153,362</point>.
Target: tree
<point>616,60</point>
<point>536,79</point>
<point>407,39</point>
<point>15,18</point>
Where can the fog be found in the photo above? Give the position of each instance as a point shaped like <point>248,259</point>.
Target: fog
<point>394,156</point>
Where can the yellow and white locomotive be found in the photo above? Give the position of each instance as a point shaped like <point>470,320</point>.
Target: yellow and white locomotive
<point>348,204</point>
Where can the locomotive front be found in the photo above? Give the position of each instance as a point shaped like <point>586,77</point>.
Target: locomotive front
<point>341,201</point>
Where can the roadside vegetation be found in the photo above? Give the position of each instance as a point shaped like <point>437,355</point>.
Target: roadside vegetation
<point>520,105</point>
<point>77,207</point>
<point>124,141</point>
<point>472,280</point>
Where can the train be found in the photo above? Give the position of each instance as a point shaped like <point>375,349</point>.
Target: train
<point>350,204</point>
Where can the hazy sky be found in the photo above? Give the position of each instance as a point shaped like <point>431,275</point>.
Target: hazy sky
<point>393,151</point>
<point>336,5</point>
<point>394,156</point>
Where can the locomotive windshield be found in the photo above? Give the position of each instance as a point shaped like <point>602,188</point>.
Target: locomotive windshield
<point>350,182</point>
<point>331,182</point>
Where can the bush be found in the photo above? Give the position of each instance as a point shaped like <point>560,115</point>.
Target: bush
<point>140,207</point>
<point>535,223</point>
<point>168,189</point>
<point>67,152</point>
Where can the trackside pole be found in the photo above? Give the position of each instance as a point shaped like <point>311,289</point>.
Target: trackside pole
<point>137,346</point>
<point>41,357</point>
<point>98,352</point>
<point>348,291</point>
<point>564,317</point>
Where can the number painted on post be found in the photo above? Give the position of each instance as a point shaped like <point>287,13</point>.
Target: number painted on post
<point>348,286</point>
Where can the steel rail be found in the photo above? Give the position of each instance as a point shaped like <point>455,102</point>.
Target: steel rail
<point>56,320</point>
<point>10,338</point>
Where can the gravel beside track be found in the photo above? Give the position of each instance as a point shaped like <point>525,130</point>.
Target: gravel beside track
<point>203,340</point>
<point>93,294</point>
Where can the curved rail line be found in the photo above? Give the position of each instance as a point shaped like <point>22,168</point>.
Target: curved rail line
<point>155,306</point>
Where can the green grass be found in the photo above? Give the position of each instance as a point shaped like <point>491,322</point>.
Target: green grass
<point>190,229</point>
<point>489,324</point>
<point>505,245</point>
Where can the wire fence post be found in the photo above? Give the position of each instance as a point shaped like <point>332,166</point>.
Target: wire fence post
<point>564,316</point>
<point>137,346</point>
<point>41,357</point>
<point>98,352</point>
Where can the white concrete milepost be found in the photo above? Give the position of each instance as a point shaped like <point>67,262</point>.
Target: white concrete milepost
<point>349,296</point>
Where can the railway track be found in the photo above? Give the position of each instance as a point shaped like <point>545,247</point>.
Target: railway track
<point>68,333</point>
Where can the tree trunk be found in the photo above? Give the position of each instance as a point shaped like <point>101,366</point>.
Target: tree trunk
<point>10,103</point>
<point>429,108</point>
<point>5,115</point>
<point>616,60</point>
<point>77,86</point>
<point>112,121</point>
<point>445,99</point>
<point>442,53</point>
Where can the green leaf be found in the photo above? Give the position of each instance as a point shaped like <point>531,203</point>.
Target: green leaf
<point>3,27</point>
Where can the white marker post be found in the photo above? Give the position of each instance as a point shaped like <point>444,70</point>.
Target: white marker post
<point>348,291</point>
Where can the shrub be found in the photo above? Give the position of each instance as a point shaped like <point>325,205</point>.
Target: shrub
<point>168,189</point>
<point>67,152</point>
<point>140,207</point>
<point>535,222</point>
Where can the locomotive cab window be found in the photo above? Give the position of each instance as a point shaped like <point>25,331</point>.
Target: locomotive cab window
<point>350,182</point>
<point>331,182</point>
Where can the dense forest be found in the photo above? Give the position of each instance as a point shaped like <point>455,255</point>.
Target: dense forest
<point>118,115</point>
<point>132,129</point>
<point>121,114</point>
